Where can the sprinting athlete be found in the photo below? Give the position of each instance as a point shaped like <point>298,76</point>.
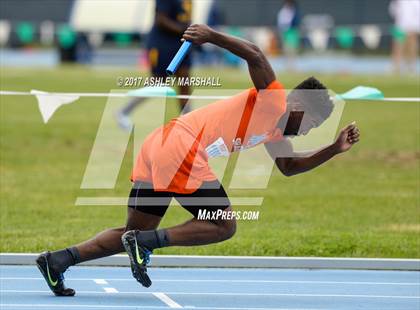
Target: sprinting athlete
<point>173,163</point>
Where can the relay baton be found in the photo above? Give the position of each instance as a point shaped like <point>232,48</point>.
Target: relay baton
<point>179,57</point>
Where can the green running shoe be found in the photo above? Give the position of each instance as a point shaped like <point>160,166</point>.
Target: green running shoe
<point>54,279</point>
<point>139,257</point>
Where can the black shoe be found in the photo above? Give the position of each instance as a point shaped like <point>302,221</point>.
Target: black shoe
<point>139,257</point>
<point>55,280</point>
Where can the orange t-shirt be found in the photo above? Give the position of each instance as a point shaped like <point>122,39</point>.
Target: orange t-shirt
<point>175,157</point>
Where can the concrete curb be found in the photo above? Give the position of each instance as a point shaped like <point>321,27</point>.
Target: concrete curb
<point>239,262</point>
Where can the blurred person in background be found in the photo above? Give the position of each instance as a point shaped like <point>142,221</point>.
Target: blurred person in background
<point>210,54</point>
<point>288,19</point>
<point>172,17</point>
<point>406,14</point>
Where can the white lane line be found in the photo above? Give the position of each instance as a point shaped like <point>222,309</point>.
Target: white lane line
<point>110,290</point>
<point>283,281</point>
<point>236,294</point>
<point>43,306</point>
<point>167,300</point>
<point>106,289</point>
<point>232,281</point>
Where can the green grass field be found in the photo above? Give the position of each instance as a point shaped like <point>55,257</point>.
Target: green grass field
<point>364,203</point>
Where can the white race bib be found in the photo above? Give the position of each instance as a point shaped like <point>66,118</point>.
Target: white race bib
<point>217,148</point>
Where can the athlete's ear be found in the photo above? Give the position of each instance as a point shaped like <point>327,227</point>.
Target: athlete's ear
<point>293,123</point>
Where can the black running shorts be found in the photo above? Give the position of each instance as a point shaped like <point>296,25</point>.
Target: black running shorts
<point>211,196</point>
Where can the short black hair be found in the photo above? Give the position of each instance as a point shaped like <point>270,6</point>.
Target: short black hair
<point>316,103</point>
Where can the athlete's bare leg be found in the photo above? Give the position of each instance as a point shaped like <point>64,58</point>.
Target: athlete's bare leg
<point>131,105</point>
<point>108,242</point>
<point>199,232</point>
<point>397,54</point>
<point>412,47</point>
<point>122,116</point>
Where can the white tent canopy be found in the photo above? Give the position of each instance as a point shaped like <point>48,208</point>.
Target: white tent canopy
<point>124,15</point>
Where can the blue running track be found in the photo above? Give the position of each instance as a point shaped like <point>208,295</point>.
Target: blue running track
<point>104,288</point>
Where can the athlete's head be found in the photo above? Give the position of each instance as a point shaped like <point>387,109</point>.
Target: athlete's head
<point>312,98</point>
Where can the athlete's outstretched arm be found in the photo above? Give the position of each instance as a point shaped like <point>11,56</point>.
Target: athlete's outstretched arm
<point>282,152</point>
<point>259,68</point>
